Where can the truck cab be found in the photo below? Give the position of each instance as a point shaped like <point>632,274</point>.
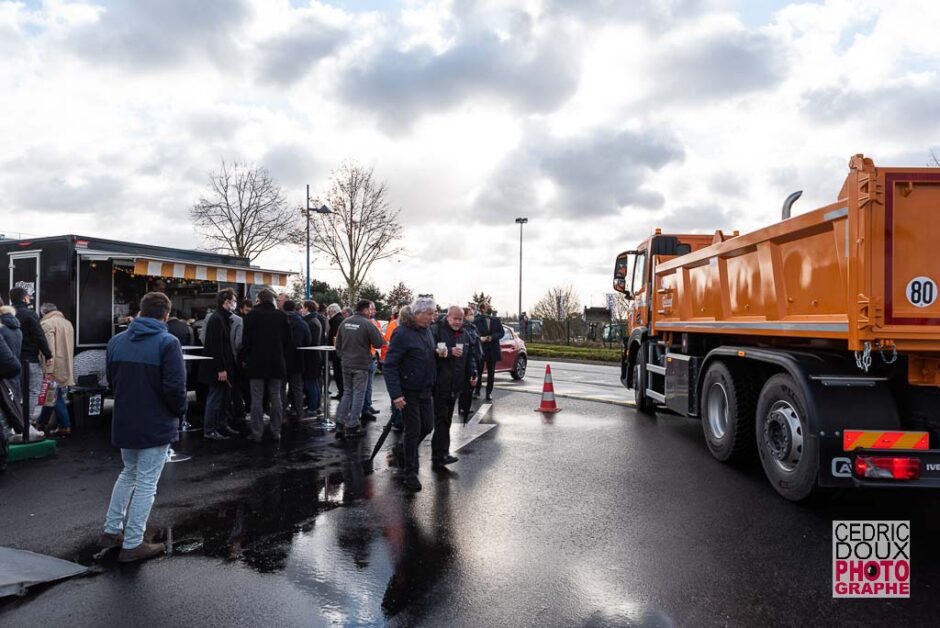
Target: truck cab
<point>633,273</point>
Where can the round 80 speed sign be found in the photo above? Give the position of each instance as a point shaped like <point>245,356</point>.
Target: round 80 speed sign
<point>922,291</point>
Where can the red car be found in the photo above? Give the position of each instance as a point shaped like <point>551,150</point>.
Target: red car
<point>514,357</point>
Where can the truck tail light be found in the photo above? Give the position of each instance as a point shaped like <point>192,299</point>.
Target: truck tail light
<point>885,468</point>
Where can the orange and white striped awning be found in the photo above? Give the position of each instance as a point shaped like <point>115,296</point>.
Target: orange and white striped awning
<point>155,267</point>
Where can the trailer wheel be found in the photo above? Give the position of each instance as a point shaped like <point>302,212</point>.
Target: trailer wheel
<point>789,457</point>
<point>728,402</point>
<point>643,403</point>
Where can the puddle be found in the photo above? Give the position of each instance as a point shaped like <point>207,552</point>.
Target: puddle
<point>347,538</point>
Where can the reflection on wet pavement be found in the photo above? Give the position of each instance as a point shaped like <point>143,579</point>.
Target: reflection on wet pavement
<point>345,535</point>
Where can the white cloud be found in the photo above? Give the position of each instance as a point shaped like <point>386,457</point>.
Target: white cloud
<point>599,120</point>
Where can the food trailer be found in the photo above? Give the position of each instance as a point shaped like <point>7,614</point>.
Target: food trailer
<point>97,284</point>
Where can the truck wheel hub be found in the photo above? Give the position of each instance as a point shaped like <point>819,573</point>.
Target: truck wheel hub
<point>783,435</point>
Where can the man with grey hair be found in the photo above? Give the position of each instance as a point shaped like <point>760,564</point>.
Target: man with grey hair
<point>456,369</point>
<point>409,376</point>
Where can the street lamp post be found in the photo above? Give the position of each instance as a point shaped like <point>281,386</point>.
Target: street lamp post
<point>322,209</point>
<point>520,222</point>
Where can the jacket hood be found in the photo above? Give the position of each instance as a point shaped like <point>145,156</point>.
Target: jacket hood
<point>8,317</point>
<point>143,327</point>
<point>53,314</point>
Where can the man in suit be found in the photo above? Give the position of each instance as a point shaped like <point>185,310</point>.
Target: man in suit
<point>490,329</point>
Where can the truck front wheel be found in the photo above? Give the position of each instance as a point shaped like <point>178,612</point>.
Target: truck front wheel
<point>787,452</point>
<point>728,400</point>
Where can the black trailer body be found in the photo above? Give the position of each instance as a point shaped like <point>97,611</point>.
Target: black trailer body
<point>96,282</point>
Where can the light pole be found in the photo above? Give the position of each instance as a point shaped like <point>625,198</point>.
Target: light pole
<point>520,222</point>
<point>323,209</point>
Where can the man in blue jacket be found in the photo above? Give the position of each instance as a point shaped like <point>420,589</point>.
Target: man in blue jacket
<point>148,378</point>
<point>410,373</point>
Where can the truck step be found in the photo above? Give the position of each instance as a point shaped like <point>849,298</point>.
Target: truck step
<point>655,396</point>
<point>659,370</point>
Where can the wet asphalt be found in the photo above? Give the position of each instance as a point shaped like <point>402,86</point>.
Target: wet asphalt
<point>596,516</point>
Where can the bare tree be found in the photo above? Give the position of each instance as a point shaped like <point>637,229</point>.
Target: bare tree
<point>558,304</point>
<point>244,212</point>
<point>934,159</point>
<point>362,228</point>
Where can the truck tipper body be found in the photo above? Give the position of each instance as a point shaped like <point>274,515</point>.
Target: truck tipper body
<point>813,344</point>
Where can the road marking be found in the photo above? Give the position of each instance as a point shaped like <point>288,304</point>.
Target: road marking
<point>481,412</point>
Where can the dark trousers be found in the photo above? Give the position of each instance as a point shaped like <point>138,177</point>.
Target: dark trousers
<point>465,400</point>
<point>490,375</point>
<point>338,374</point>
<point>217,406</point>
<point>241,398</point>
<point>418,418</point>
<point>443,416</point>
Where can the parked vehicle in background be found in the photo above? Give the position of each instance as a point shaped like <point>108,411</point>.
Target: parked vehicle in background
<point>614,333</point>
<point>514,358</point>
<point>813,343</point>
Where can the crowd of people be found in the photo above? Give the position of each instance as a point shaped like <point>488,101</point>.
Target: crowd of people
<point>256,370</point>
<point>36,369</point>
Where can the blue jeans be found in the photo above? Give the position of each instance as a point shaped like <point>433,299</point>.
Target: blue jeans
<point>367,402</point>
<point>313,394</point>
<point>217,403</point>
<point>134,493</point>
<point>60,409</point>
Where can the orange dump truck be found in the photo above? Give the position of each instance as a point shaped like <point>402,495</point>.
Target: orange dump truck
<point>813,343</point>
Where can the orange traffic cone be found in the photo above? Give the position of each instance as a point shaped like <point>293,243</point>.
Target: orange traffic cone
<point>548,394</point>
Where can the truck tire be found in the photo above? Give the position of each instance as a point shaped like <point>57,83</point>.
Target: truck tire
<point>518,369</point>
<point>729,398</point>
<point>789,457</point>
<point>644,404</point>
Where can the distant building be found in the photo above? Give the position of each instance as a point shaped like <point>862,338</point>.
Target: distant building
<point>600,315</point>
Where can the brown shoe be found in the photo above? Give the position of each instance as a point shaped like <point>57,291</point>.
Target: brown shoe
<point>141,552</point>
<point>62,431</point>
<point>107,539</point>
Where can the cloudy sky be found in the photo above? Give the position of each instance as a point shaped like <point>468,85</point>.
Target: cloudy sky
<point>597,119</point>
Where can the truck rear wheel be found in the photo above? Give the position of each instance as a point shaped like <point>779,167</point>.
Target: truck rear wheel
<point>728,402</point>
<point>643,403</point>
<point>789,456</point>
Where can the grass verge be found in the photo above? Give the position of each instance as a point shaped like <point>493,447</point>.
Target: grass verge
<point>542,350</point>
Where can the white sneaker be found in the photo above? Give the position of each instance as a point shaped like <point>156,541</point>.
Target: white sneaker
<point>35,434</point>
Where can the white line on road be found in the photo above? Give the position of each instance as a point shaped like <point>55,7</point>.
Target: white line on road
<point>481,412</point>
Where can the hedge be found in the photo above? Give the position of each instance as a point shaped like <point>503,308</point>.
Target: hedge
<point>540,350</point>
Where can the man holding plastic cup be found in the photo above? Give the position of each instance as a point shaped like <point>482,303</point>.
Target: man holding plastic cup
<point>456,367</point>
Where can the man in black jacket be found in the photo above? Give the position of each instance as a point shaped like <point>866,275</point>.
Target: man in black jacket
<point>313,361</point>
<point>300,337</point>
<point>410,373</point>
<point>465,401</point>
<point>455,369</point>
<point>490,329</point>
<point>335,315</point>
<point>218,373</point>
<point>34,343</point>
<point>265,343</point>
